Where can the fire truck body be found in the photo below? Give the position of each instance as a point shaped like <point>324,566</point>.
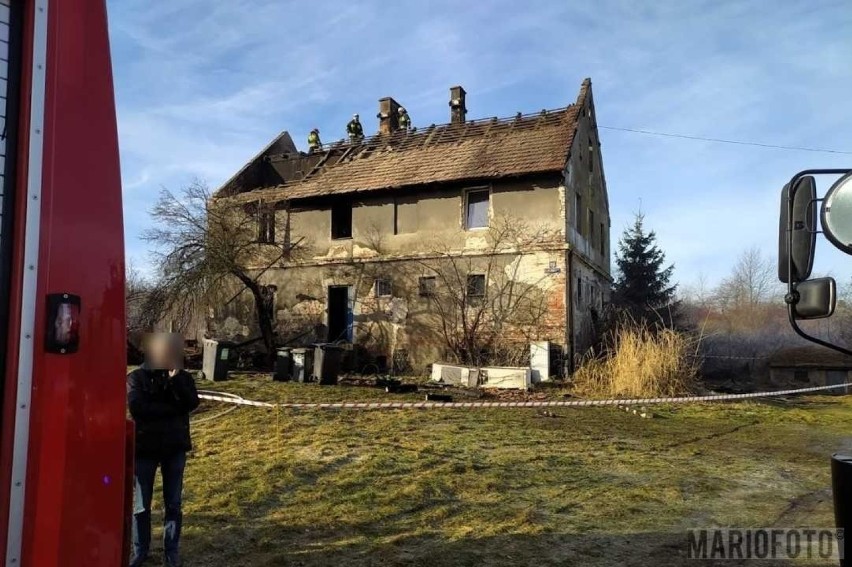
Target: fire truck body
<point>63,457</point>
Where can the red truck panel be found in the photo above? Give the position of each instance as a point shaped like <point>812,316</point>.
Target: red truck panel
<point>75,482</point>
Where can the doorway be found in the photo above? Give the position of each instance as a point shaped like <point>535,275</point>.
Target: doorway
<point>339,314</point>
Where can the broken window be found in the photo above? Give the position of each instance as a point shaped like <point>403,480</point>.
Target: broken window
<point>476,285</point>
<point>476,209</point>
<point>265,223</point>
<point>427,286</point>
<point>383,288</point>
<point>603,239</point>
<point>578,219</point>
<point>592,228</point>
<point>341,220</point>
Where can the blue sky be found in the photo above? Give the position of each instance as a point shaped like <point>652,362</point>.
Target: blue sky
<point>202,85</point>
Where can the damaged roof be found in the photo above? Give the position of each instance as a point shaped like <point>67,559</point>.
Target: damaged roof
<point>476,149</point>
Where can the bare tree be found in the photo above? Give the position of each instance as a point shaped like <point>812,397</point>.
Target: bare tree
<point>136,291</point>
<point>482,302</point>
<point>139,319</point>
<point>750,283</point>
<point>743,320</point>
<point>204,246</point>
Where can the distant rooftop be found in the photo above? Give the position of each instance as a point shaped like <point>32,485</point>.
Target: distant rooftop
<point>810,357</point>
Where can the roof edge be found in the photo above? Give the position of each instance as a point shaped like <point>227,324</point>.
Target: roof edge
<point>278,192</point>
<point>284,137</point>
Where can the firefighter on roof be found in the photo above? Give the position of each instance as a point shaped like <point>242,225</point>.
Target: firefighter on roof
<point>314,142</point>
<point>355,130</point>
<point>404,119</point>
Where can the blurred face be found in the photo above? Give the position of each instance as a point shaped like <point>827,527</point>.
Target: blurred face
<point>164,351</point>
<point>64,324</point>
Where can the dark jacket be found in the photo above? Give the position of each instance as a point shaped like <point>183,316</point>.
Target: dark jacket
<point>160,408</point>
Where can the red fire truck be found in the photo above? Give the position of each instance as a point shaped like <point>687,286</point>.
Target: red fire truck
<point>64,454</point>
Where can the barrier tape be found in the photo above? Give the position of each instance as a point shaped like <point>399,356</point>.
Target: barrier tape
<point>234,399</point>
<point>231,399</point>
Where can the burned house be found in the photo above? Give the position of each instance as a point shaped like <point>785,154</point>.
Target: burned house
<point>432,243</point>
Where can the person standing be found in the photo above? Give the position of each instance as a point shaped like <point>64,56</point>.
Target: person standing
<point>314,142</point>
<point>404,120</point>
<point>355,130</point>
<point>160,398</point>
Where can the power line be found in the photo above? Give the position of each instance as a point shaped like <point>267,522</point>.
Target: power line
<point>722,141</point>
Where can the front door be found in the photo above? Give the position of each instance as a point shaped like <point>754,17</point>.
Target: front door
<point>339,314</point>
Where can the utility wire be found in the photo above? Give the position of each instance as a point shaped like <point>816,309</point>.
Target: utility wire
<point>722,141</point>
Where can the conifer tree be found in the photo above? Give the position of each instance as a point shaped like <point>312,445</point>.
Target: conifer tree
<point>643,288</point>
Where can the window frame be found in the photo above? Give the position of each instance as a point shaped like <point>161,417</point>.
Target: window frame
<point>466,207</point>
<point>421,288</point>
<point>334,211</point>
<point>265,223</point>
<point>395,216</point>
<point>378,287</point>
<point>590,219</point>
<point>578,206</point>
<point>469,287</point>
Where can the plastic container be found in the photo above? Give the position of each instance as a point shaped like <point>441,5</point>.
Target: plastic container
<point>327,359</point>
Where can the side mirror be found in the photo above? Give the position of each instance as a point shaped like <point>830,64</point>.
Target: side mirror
<point>803,226</point>
<point>817,299</point>
<point>837,214</point>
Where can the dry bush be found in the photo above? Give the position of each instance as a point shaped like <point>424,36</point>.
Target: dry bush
<point>641,363</point>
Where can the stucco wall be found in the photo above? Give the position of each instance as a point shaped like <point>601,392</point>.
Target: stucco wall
<point>413,222</point>
<point>405,325</point>
<point>589,292</point>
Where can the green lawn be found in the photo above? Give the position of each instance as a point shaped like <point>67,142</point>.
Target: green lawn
<point>590,486</point>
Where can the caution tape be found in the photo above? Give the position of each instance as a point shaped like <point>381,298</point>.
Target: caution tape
<point>234,399</point>
<point>231,399</point>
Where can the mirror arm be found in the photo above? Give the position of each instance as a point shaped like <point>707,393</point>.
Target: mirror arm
<point>813,229</point>
<point>791,306</point>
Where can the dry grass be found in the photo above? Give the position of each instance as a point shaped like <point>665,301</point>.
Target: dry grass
<point>590,487</point>
<point>641,364</point>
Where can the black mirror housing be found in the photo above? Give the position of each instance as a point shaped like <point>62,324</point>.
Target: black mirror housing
<point>803,226</point>
<point>817,299</point>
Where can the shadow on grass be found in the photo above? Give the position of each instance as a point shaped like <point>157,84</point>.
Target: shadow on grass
<point>800,402</point>
<point>270,544</point>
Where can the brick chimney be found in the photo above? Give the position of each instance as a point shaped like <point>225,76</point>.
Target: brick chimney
<point>458,109</point>
<point>388,116</point>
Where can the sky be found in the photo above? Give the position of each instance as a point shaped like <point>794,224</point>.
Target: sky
<point>203,85</point>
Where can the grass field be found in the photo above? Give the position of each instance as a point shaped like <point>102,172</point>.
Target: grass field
<point>590,486</point>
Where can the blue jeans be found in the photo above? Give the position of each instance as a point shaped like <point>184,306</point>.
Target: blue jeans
<point>172,470</point>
